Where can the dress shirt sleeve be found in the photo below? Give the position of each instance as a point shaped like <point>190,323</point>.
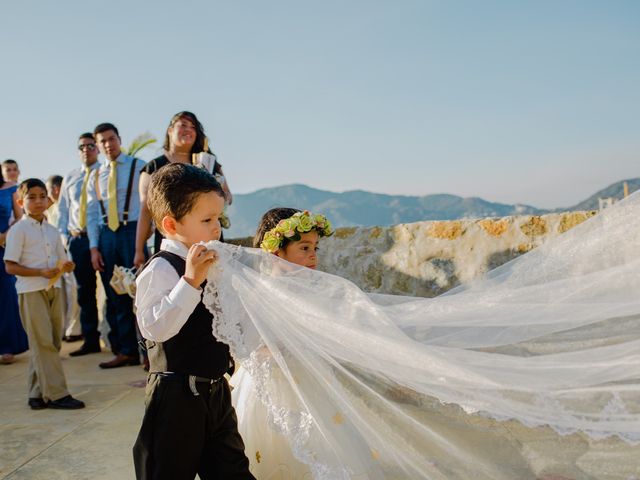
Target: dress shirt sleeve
<point>93,209</point>
<point>13,246</point>
<point>61,253</point>
<point>63,208</point>
<point>164,301</point>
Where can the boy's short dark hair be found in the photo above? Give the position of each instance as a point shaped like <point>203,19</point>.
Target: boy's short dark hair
<point>55,180</point>
<point>174,190</point>
<point>9,161</point>
<point>105,127</point>
<point>28,184</point>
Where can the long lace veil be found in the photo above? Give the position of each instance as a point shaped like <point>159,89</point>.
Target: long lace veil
<point>544,348</point>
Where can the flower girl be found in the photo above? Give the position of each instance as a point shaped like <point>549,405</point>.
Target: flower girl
<point>292,235</point>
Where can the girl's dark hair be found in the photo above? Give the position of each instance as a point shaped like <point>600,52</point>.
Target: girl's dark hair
<point>269,220</point>
<point>1,179</point>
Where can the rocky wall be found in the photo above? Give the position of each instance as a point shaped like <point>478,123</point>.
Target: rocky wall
<point>428,258</point>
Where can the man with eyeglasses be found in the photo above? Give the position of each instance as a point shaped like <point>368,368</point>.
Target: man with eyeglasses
<point>72,223</point>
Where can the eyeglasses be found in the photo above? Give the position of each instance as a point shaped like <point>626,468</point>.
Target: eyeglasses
<point>88,146</point>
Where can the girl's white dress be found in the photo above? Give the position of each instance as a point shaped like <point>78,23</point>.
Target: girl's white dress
<point>532,372</point>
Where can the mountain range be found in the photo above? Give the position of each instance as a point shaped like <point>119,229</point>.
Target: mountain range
<point>362,208</point>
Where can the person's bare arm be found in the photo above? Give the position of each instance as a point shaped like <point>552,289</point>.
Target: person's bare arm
<point>14,268</point>
<point>143,229</point>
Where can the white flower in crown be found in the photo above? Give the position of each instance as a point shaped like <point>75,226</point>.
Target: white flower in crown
<point>291,228</point>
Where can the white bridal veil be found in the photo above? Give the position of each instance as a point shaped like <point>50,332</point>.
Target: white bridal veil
<point>532,371</point>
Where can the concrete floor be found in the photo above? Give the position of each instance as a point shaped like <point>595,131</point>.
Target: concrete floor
<point>94,442</point>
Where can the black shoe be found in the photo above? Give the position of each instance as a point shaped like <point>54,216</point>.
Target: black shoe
<point>85,350</point>
<point>66,403</point>
<point>37,403</point>
<point>72,338</point>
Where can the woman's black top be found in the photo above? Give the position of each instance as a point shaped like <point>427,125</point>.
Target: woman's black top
<point>156,164</point>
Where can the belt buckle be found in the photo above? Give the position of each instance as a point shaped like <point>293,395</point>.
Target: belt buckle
<point>192,386</point>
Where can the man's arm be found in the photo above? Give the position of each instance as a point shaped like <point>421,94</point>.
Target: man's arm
<point>63,207</point>
<point>93,218</point>
<point>93,209</point>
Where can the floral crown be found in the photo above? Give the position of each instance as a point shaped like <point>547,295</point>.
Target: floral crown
<point>291,228</point>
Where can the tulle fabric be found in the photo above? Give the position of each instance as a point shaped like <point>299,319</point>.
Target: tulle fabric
<point>532,371</point>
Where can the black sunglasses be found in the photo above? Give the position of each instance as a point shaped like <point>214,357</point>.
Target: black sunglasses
<point>88,146</point>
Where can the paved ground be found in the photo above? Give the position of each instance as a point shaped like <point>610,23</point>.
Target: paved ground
<point>94,442</point>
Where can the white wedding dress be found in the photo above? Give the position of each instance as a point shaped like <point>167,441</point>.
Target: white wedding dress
<point>530,372</point>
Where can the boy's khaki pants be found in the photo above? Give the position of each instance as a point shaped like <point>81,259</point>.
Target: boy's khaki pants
<point>42,318</point>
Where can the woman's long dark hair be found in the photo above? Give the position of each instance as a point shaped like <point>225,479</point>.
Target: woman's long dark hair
<point>199,144</point>
<point>2,182</point>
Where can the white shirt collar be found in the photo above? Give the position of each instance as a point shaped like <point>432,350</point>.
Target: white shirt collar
<point>33,221</point>
<point>119,159</point>
<point>174,246</point>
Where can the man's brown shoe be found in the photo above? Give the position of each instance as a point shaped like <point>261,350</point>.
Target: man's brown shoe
<point>121,360</point>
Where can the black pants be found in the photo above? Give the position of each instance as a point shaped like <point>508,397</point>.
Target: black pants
<point>86,280</point>
<point>183,434</point>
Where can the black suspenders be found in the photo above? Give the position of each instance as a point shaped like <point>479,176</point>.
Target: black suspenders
<point>125,214</point>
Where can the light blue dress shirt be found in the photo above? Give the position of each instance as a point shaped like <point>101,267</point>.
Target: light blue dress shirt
<point>69,201</point>
<point>94,213</point>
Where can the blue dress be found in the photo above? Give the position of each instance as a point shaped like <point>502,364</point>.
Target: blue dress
<point>13,339</point>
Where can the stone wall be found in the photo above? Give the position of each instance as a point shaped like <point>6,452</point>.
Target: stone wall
<point>428,258</point>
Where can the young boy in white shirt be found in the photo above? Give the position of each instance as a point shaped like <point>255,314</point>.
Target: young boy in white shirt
<point>35,255</point>
<point>189,426</point>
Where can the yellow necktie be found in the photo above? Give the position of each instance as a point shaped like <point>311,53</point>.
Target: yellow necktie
<point>82,221</point>
<point>113,222</point>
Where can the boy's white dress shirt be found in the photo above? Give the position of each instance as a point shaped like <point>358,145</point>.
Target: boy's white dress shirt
<point>164,300</point>
<point>34,244</point>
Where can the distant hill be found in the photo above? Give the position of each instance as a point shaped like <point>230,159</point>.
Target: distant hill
<point>615,190</point>
<point>361,208</point>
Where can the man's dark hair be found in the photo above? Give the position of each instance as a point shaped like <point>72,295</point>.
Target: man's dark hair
<point>55,180</point>
<point>28,184</point>
<point>9,161</point>
<point>90,136</point>
<point>269,221</point>
<point>174,190</point>
<point>105,127</point>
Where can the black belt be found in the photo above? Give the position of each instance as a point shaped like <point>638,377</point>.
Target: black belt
<point>78,233</point>
<point>190,379</point>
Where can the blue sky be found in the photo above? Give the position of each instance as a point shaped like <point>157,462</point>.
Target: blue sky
<point>531,102</point>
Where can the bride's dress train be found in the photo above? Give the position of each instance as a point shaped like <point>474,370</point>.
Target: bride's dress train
<point>531,372</point>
